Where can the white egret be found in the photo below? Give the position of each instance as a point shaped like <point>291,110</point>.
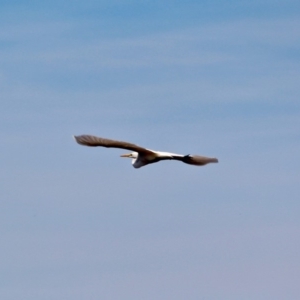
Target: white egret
<point>142,156</point>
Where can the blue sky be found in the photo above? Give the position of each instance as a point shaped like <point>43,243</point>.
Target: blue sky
<point>212,78</point>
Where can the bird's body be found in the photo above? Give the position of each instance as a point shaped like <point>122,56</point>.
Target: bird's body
<point>142,156</point>
<point>151,157</point>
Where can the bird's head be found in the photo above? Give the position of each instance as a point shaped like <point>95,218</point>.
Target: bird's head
<point>130,155</point>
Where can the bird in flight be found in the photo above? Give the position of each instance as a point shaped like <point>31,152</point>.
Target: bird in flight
<point>142,156</point>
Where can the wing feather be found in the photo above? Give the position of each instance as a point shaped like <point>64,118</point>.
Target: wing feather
<point>198,160</point>
<point>94,141</point>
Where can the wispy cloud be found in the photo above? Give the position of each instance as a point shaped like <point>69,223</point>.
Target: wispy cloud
<point>209,44</point>
<point>255,53</point>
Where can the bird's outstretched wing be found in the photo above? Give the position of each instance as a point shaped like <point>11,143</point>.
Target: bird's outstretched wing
<point>94,141</point>
<point>196,160</point>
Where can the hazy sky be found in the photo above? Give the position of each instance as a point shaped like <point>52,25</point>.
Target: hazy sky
<point>217,78</point>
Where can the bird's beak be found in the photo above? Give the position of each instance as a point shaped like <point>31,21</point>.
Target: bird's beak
<point>126,155</point>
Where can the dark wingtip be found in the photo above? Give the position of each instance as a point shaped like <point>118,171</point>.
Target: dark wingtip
<point>82,140</point>
<point>76,138</point>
